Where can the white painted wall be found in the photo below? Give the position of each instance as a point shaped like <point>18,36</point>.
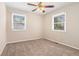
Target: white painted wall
<point>71,36</point>
<point>33,27</point>
<point>2,27</point>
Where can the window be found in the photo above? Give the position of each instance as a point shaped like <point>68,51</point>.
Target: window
<point>59,23</point>
<point>18,22</point>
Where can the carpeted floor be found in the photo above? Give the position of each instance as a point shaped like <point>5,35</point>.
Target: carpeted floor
<point>40,47</point>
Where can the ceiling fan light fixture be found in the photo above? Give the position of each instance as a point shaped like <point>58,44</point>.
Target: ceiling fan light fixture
<point>41,6</point>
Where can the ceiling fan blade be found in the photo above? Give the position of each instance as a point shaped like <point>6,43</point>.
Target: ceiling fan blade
<point>50,6</point>
<point>40,3</point>
<point>34,9</point>
<point>31,4</point>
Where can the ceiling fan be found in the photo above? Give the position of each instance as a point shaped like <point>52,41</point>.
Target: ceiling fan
<point>40,6</point>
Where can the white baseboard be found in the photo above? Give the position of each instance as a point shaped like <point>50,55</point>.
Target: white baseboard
<point>35,38</point>
<point>62,43</point>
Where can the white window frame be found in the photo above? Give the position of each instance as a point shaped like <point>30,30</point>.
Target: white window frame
<point>60,22</point>
<point>13,22</point>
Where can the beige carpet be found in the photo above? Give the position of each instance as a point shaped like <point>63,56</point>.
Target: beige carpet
<point>40,47</point>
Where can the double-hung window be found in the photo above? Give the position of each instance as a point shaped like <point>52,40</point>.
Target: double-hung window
<point>59,22</point>
<point>18,22</point>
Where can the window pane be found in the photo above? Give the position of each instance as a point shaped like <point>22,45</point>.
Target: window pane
<point>18,19</point>
<point>19,26</point>
<point>59,26</point>
<point>60,18</point>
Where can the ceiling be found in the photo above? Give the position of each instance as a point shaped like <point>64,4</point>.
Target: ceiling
<point>25,7</point>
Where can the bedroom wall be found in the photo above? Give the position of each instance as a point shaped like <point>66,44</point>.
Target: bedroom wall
<point>71,36</point>
<point>33,28</point>
<point>2,27</point>
<point>36,31</point>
